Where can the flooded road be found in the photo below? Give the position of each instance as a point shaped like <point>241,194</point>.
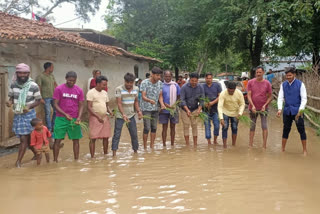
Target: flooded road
<point>206,179</point>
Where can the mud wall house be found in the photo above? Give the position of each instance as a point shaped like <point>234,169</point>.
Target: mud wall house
<point>35,43</point>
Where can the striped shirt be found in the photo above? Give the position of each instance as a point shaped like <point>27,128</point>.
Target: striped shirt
<point>127,100</point>
<point>32,96</point>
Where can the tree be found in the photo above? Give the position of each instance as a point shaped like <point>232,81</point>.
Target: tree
<point>17,7</point>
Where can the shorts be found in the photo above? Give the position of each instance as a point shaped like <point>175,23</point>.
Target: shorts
<point>64,126</point>
<point>44,149</point>
<point>164,118</point>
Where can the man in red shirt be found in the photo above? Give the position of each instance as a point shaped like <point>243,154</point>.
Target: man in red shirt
<point>259,96</point>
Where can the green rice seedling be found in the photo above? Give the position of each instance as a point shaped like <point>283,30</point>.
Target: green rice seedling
<point>264,113</point>
<point>173,109</point>
<point>206,101</point>
<point>202,116</point>
<point>245,120</point>
<point>147,117</point>
<point>84,127</point>
<point>305,111</point>
<point>116,111</point>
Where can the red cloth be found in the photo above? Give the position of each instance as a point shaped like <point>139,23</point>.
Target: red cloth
<point>93,85</point>
<point>37,138</point>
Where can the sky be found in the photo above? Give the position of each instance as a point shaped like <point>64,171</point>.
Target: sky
<point>66,13</point>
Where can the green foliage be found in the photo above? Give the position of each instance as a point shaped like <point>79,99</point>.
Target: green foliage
<point>220,35</point>
<point>82,7</point>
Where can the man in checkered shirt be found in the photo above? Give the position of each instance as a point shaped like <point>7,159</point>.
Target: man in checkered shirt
<point>24,96</point>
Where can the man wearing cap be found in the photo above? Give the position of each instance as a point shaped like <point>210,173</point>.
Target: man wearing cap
<point>24,96</point>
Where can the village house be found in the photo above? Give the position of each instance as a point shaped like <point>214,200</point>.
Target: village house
<point>34,43</point>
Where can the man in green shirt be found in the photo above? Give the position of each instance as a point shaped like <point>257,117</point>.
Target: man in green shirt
<point>47,84</point>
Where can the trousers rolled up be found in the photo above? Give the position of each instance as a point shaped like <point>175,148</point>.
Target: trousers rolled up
<point>234,126</point>
<point>132,127</point>
<point>216,125</point>
<point>189,121</point>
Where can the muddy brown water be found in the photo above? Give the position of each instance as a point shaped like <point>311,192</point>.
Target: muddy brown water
<point>205,179</point>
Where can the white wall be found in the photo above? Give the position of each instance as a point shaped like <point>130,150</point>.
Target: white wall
<point>65,59</point>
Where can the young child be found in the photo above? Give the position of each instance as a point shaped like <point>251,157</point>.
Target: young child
<point>40,138</point>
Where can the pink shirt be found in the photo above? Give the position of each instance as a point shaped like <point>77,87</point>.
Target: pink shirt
<point>259,91</point>
<point>69,99</point>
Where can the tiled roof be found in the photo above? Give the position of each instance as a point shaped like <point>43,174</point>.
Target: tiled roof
<point>16,28</point>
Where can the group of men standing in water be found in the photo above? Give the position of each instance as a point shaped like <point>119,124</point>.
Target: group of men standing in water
<point>159,102</point>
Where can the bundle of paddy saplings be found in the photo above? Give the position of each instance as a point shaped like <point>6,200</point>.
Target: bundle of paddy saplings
<point>245,120</point>
<point>206,102</point>
<point>83,125</point>
<point>202,116</point>
<point>264,113</point>
<point>174,108</point>
<point>116,111</point>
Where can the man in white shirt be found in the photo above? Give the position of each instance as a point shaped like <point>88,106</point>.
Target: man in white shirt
<point>294,93</point>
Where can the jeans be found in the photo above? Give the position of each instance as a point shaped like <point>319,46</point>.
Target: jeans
<point>216,124</point>
<point>132,127</point>
<point>234,126</point>
<point>47,109</point>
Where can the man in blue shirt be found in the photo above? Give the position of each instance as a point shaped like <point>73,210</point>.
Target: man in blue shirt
<point>270,76</point>
<point>170,93</point>
<point>293,93</point>
<point>211,92</point>
<point>192,95</point>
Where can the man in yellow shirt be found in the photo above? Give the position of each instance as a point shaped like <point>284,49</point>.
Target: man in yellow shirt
<point>231,105</point>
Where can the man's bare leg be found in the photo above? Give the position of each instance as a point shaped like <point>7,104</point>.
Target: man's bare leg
<point>105,143</point>
<point>164,133</point>
<point>284,142</point>
<point>215,140</point>
<point>56,149</point>
<point>76,149</point>
<point>304,146</point>
<point>39,157</point>
<point>92,147</point>
<point>265,137</point>
<point>145,138</point>
<point>47,157</point>
<point>234,139</point>
<point>187,140</point>
<point>114,153</point>
<point>172,132</point>
<point>24,141</point>
<point>251,136</point>
<point>195,140</point>
<point>209,141</point>
<point>224,140</point>
<point>153,138</point>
